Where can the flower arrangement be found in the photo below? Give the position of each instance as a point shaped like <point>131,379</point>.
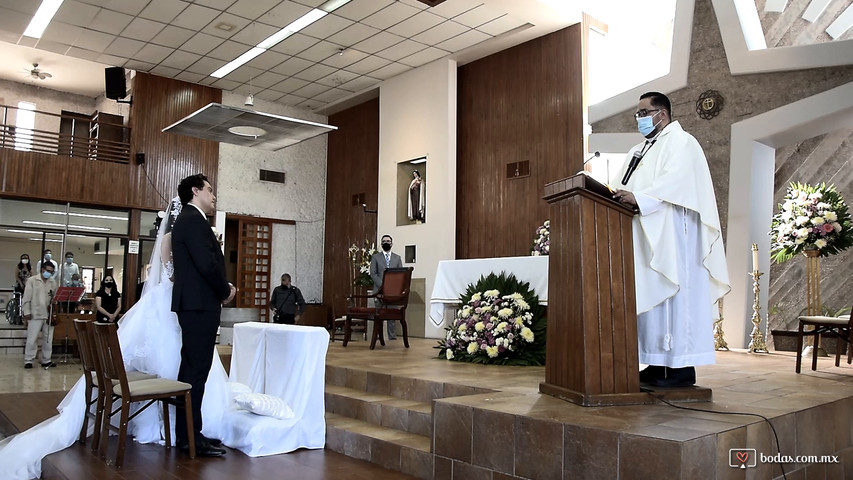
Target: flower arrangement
<point>500,323</point>
<point>542,240</point>
<point>360,263</point>
<point>811,217</point>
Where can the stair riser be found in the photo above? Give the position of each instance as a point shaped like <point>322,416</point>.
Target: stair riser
<point>380,452</point>
<point>390,416</point>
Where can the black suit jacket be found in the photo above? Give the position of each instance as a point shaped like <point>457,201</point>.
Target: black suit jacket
<point>200,281</point>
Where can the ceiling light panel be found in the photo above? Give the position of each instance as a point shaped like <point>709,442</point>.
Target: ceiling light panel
<point>42,18</point>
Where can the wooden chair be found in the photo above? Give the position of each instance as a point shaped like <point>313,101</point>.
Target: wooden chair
<point>86,346</point>
<point>390,304</point>
<point>111,371</point>
<point>339,323</point>
<point>840,327</point>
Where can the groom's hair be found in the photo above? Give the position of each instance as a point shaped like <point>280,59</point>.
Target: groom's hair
<point>185,188</point>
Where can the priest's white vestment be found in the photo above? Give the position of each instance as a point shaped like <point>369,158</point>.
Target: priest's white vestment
<point>679,261</point>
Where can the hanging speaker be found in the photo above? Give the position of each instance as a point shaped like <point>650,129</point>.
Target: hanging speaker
<point>114,83</point>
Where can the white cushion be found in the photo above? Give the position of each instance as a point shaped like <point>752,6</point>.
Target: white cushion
<point>263,404</point>
<point>827,320</point>
<point>236,388</point>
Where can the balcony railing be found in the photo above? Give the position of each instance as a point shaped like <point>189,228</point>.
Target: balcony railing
<point>94,138</point>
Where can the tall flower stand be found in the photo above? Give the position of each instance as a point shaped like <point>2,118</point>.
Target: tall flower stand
<point>813,295</point>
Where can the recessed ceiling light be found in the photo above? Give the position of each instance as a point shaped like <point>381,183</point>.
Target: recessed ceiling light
<point>43,16</point>
<point>60,225</point>
<point>84,215</point>
<point>247,131</point>
<point>225,27</point>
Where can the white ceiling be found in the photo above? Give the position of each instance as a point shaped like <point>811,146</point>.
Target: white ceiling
<point>184,39</point>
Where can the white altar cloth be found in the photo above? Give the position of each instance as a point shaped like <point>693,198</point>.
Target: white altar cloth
<point>453,277</point>
<point>289,362</point>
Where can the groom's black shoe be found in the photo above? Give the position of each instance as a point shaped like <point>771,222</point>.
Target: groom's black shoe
<point>677,377</point>
<point>203,449</point>
<point>213,441</point>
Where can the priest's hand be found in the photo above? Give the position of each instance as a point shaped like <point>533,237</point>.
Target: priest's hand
<point>625,197</point>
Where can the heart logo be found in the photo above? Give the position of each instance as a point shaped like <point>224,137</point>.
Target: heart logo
<point>742,456</point>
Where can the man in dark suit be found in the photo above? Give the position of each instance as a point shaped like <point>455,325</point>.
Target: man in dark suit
<point>378,263</point>
<point>201,289</point>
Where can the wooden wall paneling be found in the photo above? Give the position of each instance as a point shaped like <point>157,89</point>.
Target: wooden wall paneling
<point>157,103</point>
<point>352,169</point>
<point>524,103</point>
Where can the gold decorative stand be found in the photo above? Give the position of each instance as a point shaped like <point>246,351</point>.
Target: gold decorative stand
<point>756,344</point>
<point>719,341</point>
<point>813,307</point>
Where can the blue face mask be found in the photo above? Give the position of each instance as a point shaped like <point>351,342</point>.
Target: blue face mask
<point>69,260</point>
<point>646,126</point>
<point>47,256</point>
<point>45,274</point>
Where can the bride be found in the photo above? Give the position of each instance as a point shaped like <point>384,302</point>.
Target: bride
<point>150,339</point>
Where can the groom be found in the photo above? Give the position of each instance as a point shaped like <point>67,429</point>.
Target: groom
<point>200,291</point>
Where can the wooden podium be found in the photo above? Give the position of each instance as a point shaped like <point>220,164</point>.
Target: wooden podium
<point>592,357</point>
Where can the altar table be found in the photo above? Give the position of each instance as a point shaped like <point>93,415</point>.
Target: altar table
<point>453,277</point>
<point>289,362</point>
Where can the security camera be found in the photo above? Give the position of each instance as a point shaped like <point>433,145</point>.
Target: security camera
<point>250,100</point>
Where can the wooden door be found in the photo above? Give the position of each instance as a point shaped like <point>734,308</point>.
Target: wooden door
<point>253,265</point>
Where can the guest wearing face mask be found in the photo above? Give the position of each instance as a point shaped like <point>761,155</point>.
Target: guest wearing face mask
<point>36,308</point>
<point>107,301</point>
<point>679,262</point>
<point>47,258</point>
<point>69,269</point>
<point>287,303</point>
<point>378,263</point>
<point>25,271</point>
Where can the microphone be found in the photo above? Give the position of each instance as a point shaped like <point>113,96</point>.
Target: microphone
<point>632,165</point>
<point>594,155</point>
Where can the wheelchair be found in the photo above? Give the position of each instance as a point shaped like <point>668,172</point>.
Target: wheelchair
<point>14,315</point>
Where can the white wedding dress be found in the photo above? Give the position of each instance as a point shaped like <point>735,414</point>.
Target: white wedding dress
<point>150,339</point>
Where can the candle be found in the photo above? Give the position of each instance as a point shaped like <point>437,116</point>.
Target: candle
<point>754,257</point>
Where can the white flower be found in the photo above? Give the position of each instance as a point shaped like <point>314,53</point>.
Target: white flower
<point>463,327</point>
<point>820,243</point>
<point>536,254</point>
<point>479,326</point>
<point>491,293</point>
<point>815,196</point>
<point>505,312</point>
<point>548,223</point>
<point>818,221</point>
<point>501,327</point>
<point>527,334</point>
<point>449,354</point>
<point>472,348</point>
<point>836,226</point>
<point>801,220</point>
<point>801,233</point>
<point>522,304</point>
<point>492,351</point>
<point>830,216</point>
<point>476,297</point>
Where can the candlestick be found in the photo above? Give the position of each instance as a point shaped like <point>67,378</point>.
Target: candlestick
<point>756,344</point>
<point>719,341</point>
<point>754,257</point>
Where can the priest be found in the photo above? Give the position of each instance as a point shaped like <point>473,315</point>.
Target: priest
<point>679,261</point>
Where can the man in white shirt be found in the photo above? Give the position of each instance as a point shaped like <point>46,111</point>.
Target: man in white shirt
<point>35,304</point>
<point>679,262</point>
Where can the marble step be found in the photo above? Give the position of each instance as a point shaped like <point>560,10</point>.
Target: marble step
<point>387,447</point>
<point>404,387</point>
<point>378,409</point>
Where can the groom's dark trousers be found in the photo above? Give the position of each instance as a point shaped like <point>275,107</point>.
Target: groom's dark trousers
<point>198,334</point>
